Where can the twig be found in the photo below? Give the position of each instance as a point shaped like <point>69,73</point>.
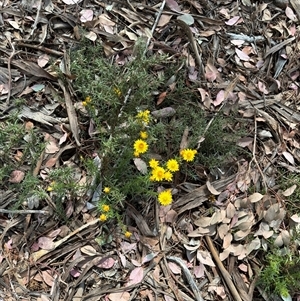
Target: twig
<point>188,276</point>
<point>24,211</point>
<point>222,269</point>
<point>36,18</point>
<point>254,156</point>
<point>155,24</point>
<point>9,70</point>
<point>42,48</point>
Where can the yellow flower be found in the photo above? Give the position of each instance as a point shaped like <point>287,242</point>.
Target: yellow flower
<point>168,176</point>
<point>103,217</point>
<point>127,234</point>
<point>105,208</point>
<point>158,174</point>
<point>144,116</point>
<point>153,163</point>
<point>165,197</point>
<point>143,135</point>
<point>51,186</point>
<point>117,91</point>
<point>172,165</point>
<point>136,154</point>
<point>86,101</point>
<point>140,146</point>
<point>188,154</point>
<point>106,189</point>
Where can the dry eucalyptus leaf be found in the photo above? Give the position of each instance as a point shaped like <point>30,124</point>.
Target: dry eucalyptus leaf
<point>290,190</point>
<point>211,188</point>
<point>255,197</point>
<point>227,240</point>
<point>203,221</point>
<point>205,258</point>
<point>88,250</point>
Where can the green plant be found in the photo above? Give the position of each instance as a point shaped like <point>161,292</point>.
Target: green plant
<point>118,100</point>
<point>20,148</point>
<point>281,274</point>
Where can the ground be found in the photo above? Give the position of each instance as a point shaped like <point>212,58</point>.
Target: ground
<point>222,98</point>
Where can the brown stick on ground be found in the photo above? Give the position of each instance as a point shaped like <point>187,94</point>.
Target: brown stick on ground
<point>224,272</point>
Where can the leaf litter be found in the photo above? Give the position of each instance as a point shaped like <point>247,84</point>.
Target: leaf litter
<point>218,219</point>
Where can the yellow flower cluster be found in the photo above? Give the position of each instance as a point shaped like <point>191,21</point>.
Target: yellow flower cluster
<point>127,234</point>
<point>86,101</point>
<point>144,116</point>
<point>188,154</point>
<point>117,91</point>
<point>160,173</point>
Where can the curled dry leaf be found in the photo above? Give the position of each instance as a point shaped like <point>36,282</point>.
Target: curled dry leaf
<point>211,188</point>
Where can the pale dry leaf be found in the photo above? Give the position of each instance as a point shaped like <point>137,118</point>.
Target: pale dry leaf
<point>255,244</point>
<point>243,267</point>
<point>255,197</point>
<point>48,278</point>
<point>164,20</point>
<point>46,243</point>
<point>205,258</point>
<point>232,21</point>
<point>51,162</point>
<point>239,235</point>
<point>140,165</point>
<point>174,268</point>
<point>267,16</point>
<point>106,263</point>
<point>262,87</point>
<point>54,233</point>
<point>227,240</point>
<point>212,189</point>
<point>173,5</point>
<point>91,36</point>
<point>71,2</point>
<point>199,271</point>
<point>223,255</point>
<point>295,218</point>
<point>86,15</point>
<point>242,55</point>
<point>290,190</point>
<point>264,230</point>
<point>43,60</point>
<point>290,14</point>
<point>105,20</point>
<point>219,98</point>
<point>16,176</point>
<point>123,260</point>
<point>88,250</point>
<point>136,276</point>
<point>123,296</point>
<point>230,210</point>
<point>289,157</point>
<point>223,230</point>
